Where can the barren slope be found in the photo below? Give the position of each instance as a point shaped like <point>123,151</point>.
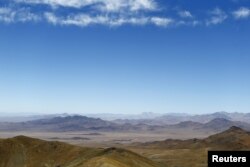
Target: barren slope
<point>22,151</point>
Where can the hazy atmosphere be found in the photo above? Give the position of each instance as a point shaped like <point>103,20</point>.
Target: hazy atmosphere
<point>124,83</point>
<point>124,56</point>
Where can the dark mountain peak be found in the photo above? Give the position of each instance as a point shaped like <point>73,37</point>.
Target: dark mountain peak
<point>79,118</point>
<point>234,133</point>
<point>186,123</point>
<point>23,140</point>
<point>220,120</point>
<point>63,119</point>
<point>236,129</point>
<point>67,123</point>
<point>21,137</point>
<point>76,117</point>
<point>220,113</point>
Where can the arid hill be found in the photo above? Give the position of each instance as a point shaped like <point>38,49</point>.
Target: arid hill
<point>23,151</point>
<point>231,139</point>
<point>193,152</point>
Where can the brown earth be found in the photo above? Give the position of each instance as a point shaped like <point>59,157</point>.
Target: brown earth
<point>22,151</point>
<point>193,152</point>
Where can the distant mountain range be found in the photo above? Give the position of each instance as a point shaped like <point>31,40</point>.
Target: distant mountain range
<point>5,117</point>
<point>65,123</point>
<point>111,117</point>
<point>149,118</point>
<point>217,124</point>
<point>177,118</point>
<point>82,123</point>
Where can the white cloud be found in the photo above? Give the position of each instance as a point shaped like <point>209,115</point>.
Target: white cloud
<point>83,20</point>
<point>185,14</point>
<point>242,13</point>
<point>142,4</point>
<point>104,5</point>
<point>77,20</point>
<point>110,13</point>
<point>65,3</point>
<point>51,18</point>
<point>218,16</point>
<point>161,21</point>
<point>123,20</point>
<point>101,12</point>
<point>9,15</point>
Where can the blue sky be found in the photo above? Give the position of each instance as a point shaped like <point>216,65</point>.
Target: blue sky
<point>124,56</point>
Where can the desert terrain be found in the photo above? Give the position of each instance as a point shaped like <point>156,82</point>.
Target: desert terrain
<point>95,142</point>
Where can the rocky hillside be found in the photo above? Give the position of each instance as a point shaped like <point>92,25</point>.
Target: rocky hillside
<point>234,138</point>
<point>22,151</point>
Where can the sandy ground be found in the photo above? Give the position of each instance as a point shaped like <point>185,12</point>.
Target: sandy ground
<point>107,139</point>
